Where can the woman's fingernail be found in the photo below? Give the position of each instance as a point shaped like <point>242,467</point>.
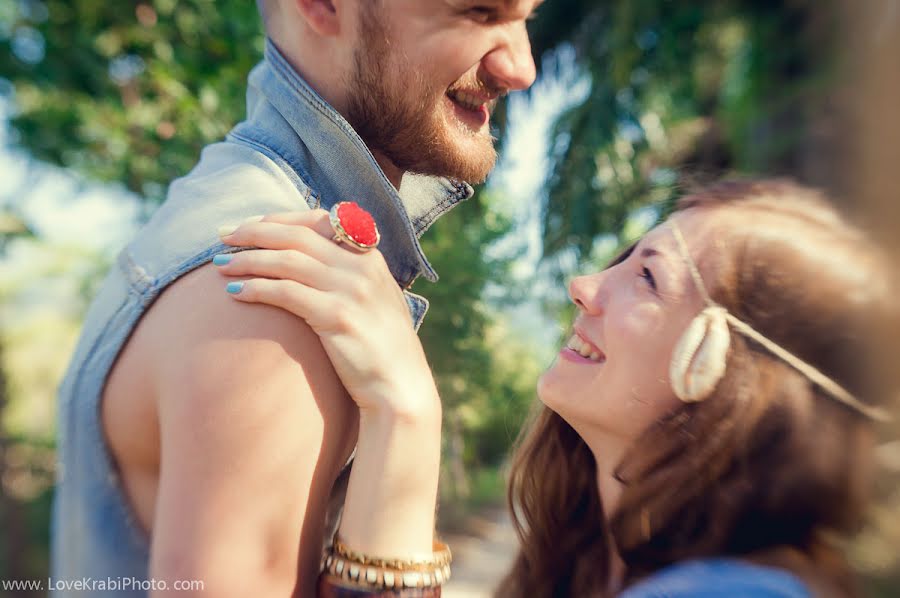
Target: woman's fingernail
<point>253,219</point>
<point>227,229</point>
<point>234,287</point>
<point>221,259</point>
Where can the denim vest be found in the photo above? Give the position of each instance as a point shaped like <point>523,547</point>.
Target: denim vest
<point>293,152</point>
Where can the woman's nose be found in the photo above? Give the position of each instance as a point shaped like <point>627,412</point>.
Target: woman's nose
<point>585,292</point>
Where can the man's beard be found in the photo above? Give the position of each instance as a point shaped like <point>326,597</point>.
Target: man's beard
<point>401,119</point>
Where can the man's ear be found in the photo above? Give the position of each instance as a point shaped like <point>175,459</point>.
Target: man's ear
<point>320,15</point>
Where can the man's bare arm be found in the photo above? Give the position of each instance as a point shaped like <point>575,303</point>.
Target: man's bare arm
<point>255,426</point>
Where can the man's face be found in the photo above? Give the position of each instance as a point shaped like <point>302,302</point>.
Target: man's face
<point>427,75</point>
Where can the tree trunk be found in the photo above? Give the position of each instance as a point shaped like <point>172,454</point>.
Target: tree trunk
<point>456,445</point>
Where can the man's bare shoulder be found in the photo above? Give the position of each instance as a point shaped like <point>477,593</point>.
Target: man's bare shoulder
<point>205,346</point>
<point>254,426</point>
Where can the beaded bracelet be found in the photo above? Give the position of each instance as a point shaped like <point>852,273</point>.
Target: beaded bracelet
<point>442,556</point>
<point>348,568</point>
<point>373,576</point>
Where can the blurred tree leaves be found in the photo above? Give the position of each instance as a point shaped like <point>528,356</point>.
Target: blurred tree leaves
<point>679,92</point>
<point>126,91</point>
<point>481,389</point>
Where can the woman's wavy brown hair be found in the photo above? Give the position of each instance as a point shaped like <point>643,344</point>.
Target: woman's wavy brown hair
<point>768,468</point>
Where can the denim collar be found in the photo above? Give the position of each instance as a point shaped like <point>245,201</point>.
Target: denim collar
<point>287,117</point>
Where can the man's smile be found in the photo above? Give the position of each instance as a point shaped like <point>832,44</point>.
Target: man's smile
<point>473,108</point>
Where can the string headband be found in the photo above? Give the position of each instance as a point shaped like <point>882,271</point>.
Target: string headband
<point>832,388</point>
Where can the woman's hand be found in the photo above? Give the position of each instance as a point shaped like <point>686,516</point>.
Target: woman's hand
<point>349,298</point>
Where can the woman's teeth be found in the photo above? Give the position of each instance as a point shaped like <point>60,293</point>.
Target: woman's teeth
<point>467,100</point>
<point>582,348</point>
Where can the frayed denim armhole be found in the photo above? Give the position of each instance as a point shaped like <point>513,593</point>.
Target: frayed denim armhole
<point>418,307</point>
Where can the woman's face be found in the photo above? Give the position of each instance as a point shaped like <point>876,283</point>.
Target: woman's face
<point>612,377</point>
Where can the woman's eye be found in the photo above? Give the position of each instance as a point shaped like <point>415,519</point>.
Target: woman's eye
<point>481,14</point>
<point>647,275</point>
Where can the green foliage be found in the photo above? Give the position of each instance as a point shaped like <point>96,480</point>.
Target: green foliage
<point>679,91</point>
<point>482,389</point>
<point>123,91</point>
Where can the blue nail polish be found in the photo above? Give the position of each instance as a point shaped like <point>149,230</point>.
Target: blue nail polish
<point>221,259</point>
<point>234,287</point>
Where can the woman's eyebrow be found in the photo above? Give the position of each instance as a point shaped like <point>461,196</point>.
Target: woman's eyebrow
<point>649,252</point>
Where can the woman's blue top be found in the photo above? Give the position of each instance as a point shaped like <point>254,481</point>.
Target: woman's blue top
<point>718,578</point>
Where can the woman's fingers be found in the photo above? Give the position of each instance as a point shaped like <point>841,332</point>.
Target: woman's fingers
<point>273,235</point>
<point>314,219</point>
<point>288,264</point>
<point>318,220</point>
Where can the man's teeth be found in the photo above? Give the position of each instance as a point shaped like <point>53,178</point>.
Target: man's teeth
<point>582,348</point>
<point>472,102</point>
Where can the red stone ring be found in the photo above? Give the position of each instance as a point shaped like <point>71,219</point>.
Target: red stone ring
<point>354,226</point>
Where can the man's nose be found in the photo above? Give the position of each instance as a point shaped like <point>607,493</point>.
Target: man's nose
<point>585,292</point>
<point>510,64</point>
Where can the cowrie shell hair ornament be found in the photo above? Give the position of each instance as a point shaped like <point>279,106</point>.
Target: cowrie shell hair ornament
<point>699,359</point>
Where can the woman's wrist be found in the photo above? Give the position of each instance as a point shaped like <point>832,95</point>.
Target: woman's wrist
<point>401,406</point>
<point>392,492</point>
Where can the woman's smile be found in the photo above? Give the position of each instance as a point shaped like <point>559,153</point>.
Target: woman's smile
<point>580,350</point>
